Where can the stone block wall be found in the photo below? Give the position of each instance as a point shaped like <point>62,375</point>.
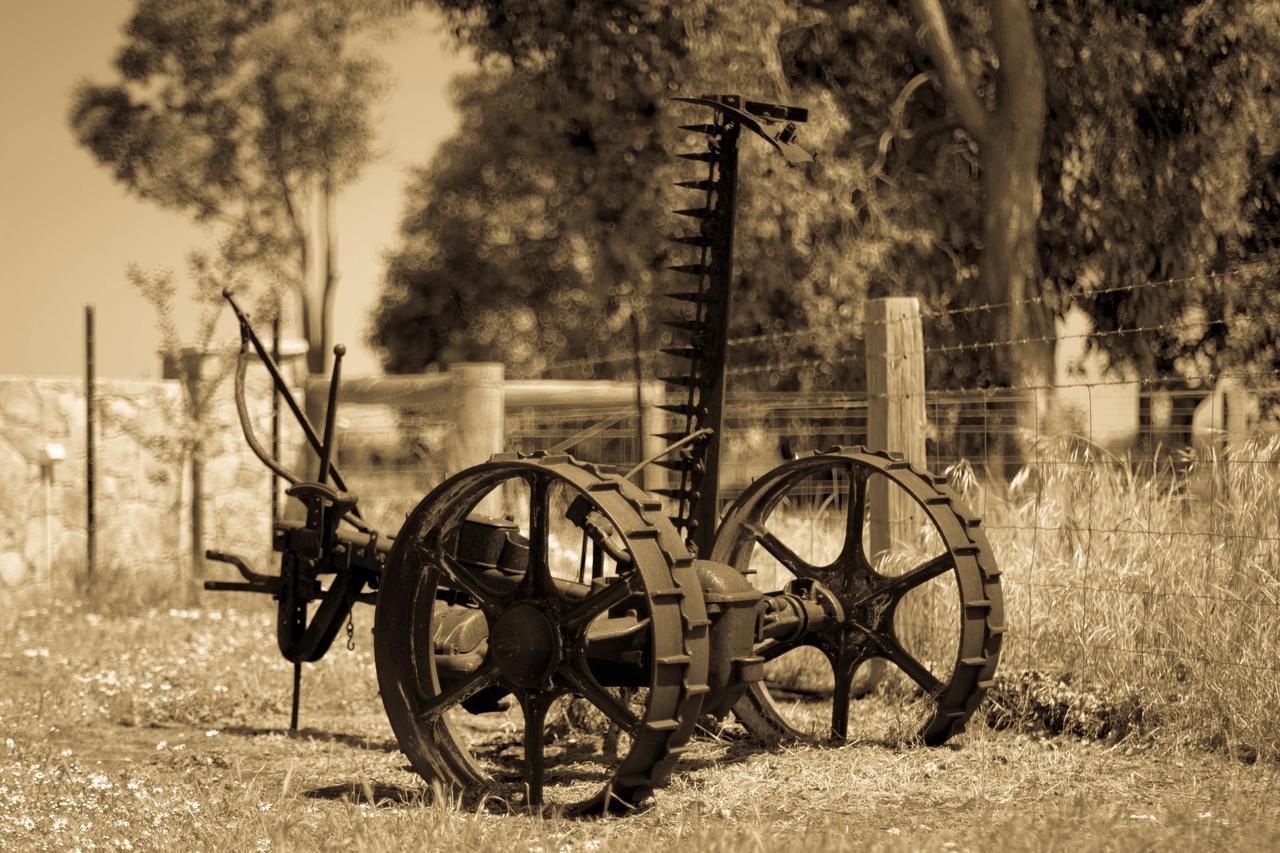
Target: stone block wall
<point>142,473</point>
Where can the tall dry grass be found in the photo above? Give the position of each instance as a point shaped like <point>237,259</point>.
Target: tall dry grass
<point>1148,590</point>
<point>1158,584</point>
<point>1142,592</point>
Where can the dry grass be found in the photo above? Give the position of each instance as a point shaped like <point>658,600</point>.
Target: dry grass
<point>165,731</point>
<point>1160,591</point>
<point>1144,611</point>
<point>1138,601</point>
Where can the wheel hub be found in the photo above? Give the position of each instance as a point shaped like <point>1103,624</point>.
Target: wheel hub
<point>526,645</point>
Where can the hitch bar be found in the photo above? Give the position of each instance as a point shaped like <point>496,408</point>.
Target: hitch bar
<point>255,581</point>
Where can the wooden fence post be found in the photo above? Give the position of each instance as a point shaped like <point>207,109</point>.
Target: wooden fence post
<point>894,343</point>
<point>479,412</point>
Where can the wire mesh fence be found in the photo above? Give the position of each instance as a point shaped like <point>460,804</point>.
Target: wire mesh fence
<point>1135,520</point>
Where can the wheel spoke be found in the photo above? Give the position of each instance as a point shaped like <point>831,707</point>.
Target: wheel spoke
<point>535,706</point>
<point>585,684</point>
<point>537,578</point>
<point>598,602</point>
<point>899,585</point>
<point>458,692</point>
<point>790,560</point>
<point>846,653</point>
<point>914,669</point>
<point>856,502</point>
<point>462,578</point>
<point>840,700</point>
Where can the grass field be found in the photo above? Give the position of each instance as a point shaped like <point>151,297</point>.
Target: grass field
<point>1137,707</point>
<point>168,730</point>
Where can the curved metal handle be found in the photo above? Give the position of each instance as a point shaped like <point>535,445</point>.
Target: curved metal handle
<point>242,411</point>
<point>761,119</point>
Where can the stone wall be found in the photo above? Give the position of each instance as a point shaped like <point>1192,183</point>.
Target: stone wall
<point>142,473</point>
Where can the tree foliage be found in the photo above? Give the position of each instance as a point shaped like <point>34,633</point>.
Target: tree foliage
<point>537,231</point>
<point>187,354</point>
<point>1158,162</point>
<point>249,114</point>
<point>1162,165</point>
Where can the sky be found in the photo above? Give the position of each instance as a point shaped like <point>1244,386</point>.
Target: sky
<point>68,231</point>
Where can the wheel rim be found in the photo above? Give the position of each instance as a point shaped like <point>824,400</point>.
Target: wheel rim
<point>873,599</point>
<point>536,646</point>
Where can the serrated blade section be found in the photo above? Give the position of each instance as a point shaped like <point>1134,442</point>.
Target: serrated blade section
<point>684,409</point>
<point>696,327</point>
<point>704,186</point>
<point>700,241</point>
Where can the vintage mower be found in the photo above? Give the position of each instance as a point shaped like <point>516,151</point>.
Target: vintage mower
<point>640,607</point>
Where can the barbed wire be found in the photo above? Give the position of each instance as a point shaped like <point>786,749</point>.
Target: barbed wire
<point>930,312</point>
<point>938,312</point>
<point>813,363</point>
<point>1117,381</point>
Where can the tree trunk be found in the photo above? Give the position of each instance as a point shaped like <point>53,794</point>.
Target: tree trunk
<point>1009,140</point>
<point>1011,269</point>
<point>1011,208</point>
<point>318,306</point>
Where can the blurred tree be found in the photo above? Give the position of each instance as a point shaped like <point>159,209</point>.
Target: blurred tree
<point>1158,161</point>
<point>184,444</point>
<point>1008,136</point>
<point>1162,165</point>
<point>250,114</point>
<point>537,231</point>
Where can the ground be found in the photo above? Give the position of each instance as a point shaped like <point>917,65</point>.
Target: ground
<point>169,730</point>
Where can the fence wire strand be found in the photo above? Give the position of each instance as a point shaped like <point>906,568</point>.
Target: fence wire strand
<point>1130,514</point>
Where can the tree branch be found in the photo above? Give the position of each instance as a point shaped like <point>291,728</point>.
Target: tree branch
<point>831,7</point>
<point>330,274</point>
<point>1020,77</point>
<point>942,50</point>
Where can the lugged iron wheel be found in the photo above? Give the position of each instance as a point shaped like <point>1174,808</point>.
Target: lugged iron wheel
<point>962,574</point>
<point>537,627</point>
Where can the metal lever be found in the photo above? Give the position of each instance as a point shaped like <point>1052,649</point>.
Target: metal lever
<point>247,335</point>
<point>326,448</point>
<point>253,581</point>
<point>774,123</point>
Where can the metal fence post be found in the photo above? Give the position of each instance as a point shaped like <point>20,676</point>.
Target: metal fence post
<point>90,532</point>
<point>894,343</point>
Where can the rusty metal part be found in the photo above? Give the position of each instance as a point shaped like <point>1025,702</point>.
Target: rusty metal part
<point>705,322</point>
<point>868,599</point>
<point>249,340</point>
<point>803,607</point>
<point>733,606</point>
<point>537,647</point>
